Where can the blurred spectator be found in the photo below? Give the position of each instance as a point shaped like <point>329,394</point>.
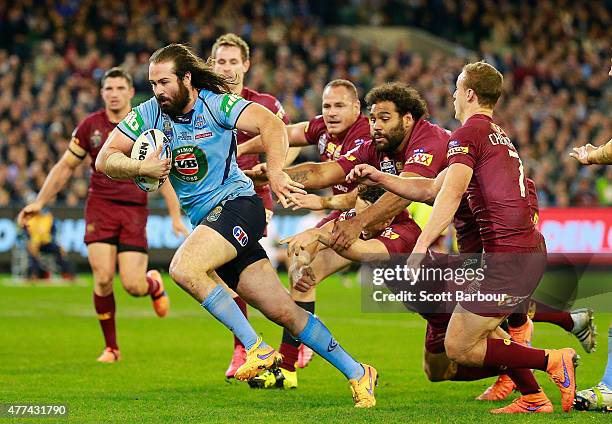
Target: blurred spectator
<point>554,56</point>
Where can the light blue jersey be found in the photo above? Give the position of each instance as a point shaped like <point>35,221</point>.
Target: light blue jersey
<point>203,142</point>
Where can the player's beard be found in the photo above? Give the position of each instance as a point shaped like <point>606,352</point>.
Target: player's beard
<point>394,137</point>
<point>175,106</point>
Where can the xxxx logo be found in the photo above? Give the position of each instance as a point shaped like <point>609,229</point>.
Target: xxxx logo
<point>189,164</point>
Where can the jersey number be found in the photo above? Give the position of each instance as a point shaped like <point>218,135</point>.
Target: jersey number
<point>513,154</point>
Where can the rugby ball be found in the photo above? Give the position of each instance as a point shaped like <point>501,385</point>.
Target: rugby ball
<point>145,145</point>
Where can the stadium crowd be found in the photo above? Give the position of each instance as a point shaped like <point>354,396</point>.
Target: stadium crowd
<point>53,53</point>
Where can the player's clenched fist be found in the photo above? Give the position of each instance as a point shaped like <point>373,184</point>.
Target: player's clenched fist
<point>364,174</point>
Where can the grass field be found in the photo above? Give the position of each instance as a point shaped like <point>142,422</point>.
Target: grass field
<point>172,369</point>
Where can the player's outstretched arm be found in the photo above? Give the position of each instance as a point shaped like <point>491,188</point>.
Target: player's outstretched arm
<point>589,154</point>
<point>314,202</point>
<point>55,181</point>
<point>114,159</point>
<point>295,135</point>
<point>257,119</point>
<point>388,206</point>
<point>317,175</point>
<point>174,209</point>
<point>417,189</point>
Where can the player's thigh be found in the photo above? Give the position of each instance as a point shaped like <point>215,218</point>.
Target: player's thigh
<point>102,260</point>
<point>203,251</point>
<point>260,286</point>
<point>467,329</point>
<point>132,271</point>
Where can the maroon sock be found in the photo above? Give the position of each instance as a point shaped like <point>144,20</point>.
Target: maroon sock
<point>524,380</point>
<point>473,373</point>
<point>153,286</point>
<point>290,356</point>
<point>105,308</point>
<point>243,307</point>
<point>561,318</point>
<point>513,355</point>
<point>516,320</point>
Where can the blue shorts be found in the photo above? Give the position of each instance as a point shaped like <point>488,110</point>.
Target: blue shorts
<point>242,222</point>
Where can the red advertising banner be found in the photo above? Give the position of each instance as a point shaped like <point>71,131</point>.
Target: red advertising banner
<point>578,231</point>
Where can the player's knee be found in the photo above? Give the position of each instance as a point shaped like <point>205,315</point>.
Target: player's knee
<point>453,349</point>
<point>103,279</point>
<point>180,271</point>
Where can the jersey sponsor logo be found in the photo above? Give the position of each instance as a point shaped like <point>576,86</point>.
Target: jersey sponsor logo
<point>184,136</point>
<point>421,157</point>
<point>167,129</point>
<point>387,165</point>
<point>358,142</point>
<point>240,235</point>
<point>203,135</point>
<point>214,214</point>
<point>96,139</point>
<point>228,103</point>
<point>390,234</point>
<point>322,143</point>
<point>341,188</point>
<point>453,143</point>
<point>456,150</point>
<point>190,164</point>
<point>200,122</point>
<point>133,122</point>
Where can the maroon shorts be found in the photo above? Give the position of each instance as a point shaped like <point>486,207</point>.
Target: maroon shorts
<point>332,216</point>
<point>116,223</point>
<point>436,332</point>
<point>510,278</point>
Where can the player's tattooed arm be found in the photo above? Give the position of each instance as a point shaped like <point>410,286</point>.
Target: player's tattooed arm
<point>316,175</point>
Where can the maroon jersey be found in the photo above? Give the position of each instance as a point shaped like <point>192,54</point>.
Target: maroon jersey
<point>331,147</point>
<point>249,161</point>
<point>90,135</point>
<point>273,105</point>
<point>497,193</point>
<point>423,154</point>
<point>399,237</point>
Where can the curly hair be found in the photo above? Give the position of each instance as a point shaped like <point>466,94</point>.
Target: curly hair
<point>370,194</point>
<point>405,98</point>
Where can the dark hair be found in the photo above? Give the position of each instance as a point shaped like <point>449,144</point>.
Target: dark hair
<point>485,80</point>
<point>117,72</point>
<point>232,40</point>
<point>184,60</point>
<point>370,193</point>
<point>343,83</point>
<point>405,98</point>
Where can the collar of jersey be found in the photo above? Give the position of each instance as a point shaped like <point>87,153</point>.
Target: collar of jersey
<point>184,118</point>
